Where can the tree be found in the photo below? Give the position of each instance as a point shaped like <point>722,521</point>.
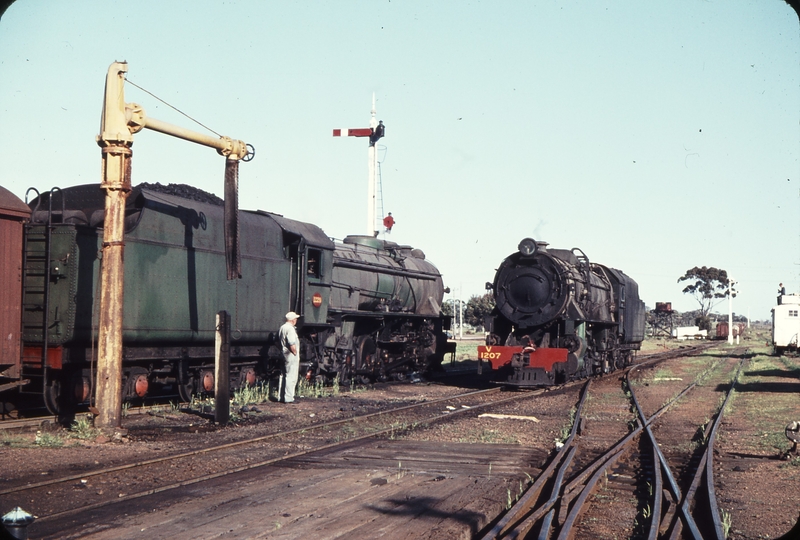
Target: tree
<point>478,307</point>
<point>707,285</point>
<point>447,308</point>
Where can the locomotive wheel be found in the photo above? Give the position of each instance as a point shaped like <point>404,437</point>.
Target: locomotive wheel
<point>139,385</point>
<point>60,395</point>
<point>186,389</point>
<point>619,361</point>
<point>8,410</point>
<point>136,384</point>
<point>365,354</point>
<point>345,370</point>
<point>186,381</point>
<point>81,386</point>
<point>207,381</point>
<point>247,377</point>
<point>493,339</point>
<point>622,360</point>
<point>52,397</point>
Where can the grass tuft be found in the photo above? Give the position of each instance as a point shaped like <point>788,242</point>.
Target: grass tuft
<point>83,429</point>
<point>48,440</point>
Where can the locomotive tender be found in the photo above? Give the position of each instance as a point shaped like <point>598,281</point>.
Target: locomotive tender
<point>369,309</point>
<point>558,317</point>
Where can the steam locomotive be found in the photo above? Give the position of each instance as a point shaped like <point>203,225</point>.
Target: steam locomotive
<point>369,309</point>
<point>559,317</point>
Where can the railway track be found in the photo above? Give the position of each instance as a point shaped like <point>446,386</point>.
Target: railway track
<point>678,497</point>
<point>36,421</point>
<point>56,498</point>
<point>38,417</point>
<point>48,420</point>
<point>694,512</point>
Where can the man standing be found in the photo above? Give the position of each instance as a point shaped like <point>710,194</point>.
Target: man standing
<point>290,345</point>
<point>388,222</point>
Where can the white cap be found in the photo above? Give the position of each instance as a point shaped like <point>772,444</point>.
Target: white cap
<point>292,316</point>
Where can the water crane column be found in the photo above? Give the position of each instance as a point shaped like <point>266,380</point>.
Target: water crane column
<point>118,123</point>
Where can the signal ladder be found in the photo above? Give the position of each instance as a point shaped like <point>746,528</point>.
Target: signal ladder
<point>379,210</point>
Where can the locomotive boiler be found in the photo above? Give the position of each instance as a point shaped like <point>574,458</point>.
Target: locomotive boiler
<point>369,309</point>
<point>558,317</point>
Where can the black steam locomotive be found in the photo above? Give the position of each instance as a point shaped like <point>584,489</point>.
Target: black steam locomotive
<point>369,309</point>
<point>558,317</point>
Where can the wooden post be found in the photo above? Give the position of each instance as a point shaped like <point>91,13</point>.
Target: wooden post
<point>222,354</point>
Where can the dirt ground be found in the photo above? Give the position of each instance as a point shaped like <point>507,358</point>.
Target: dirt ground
<point>757,472</point>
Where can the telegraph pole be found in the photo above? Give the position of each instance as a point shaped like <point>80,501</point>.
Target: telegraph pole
<point>730,310</point>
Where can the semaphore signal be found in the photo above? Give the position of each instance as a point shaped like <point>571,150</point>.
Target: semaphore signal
<point>374,132</point>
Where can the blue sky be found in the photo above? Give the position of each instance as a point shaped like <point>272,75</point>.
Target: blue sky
<point>655,137</point>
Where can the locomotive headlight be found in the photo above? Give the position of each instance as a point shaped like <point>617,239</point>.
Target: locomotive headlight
<point>527,247</point>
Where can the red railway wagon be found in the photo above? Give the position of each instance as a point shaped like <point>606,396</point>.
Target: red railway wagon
<point>13,215</point>
<point>722,329</point>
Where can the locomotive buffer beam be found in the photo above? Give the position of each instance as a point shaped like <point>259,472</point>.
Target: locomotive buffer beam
<point>531,367</point>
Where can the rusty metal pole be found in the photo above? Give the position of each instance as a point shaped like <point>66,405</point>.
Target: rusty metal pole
<point>115,140</point>
<point>119,122</point>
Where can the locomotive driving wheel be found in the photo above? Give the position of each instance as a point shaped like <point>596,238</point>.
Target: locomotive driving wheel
<point>365,355</point>
<point>346,368</point>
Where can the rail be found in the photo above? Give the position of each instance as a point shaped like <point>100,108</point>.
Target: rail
<point>278,451</point>
<point>531,512</point>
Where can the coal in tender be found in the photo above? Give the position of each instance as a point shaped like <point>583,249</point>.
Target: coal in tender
<point>185,191</point>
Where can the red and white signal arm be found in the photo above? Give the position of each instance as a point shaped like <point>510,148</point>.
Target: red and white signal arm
<point>316,300</point>
<point>357,132</point>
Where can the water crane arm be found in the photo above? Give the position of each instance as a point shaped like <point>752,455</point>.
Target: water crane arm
<point>121,120</point>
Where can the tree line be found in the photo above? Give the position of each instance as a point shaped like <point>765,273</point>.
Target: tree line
<point>476,309</point>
